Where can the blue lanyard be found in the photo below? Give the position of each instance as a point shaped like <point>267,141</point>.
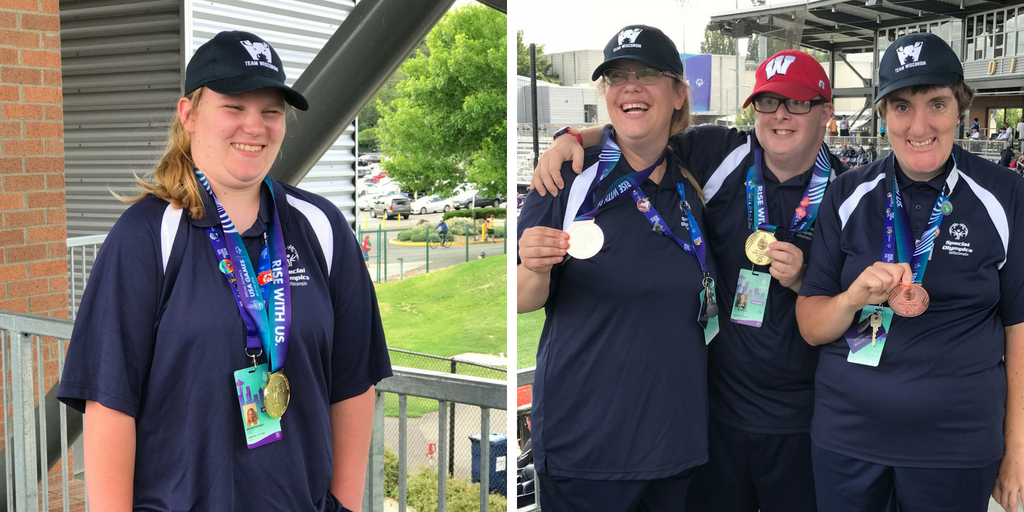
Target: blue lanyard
<point>805,212</point>
<point>898,237</point>
<point>610,156</point>
<point>267,313</point>
<point>695,246</point>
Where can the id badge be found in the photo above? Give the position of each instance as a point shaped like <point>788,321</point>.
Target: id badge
<point>863,349</point>
<point>260,427</point>
<point>711,329</point>
<point>751,298</point>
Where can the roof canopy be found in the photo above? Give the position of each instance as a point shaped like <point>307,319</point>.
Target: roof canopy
<point>838,24</point>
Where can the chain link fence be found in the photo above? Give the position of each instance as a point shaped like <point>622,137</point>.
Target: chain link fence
<point>463,420</point>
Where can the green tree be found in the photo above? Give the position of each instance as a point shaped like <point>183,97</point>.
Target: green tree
<point>717,43</point>
<point>369,116</point>
<point>448,124</point>
<point>745,117</point>
<point>523,62</point>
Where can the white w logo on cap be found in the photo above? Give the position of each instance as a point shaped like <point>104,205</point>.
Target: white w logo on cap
<point>912,51</point>
<point>629,36</point>
<point>778,65</point>
<point>257,49</point>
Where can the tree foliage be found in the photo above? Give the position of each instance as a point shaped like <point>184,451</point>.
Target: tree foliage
<point>717,43</point>
<point>543,64</point>
<point>448,124</point>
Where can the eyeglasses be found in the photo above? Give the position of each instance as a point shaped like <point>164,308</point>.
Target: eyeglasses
<point>645,76</point>
<point>769,104</point>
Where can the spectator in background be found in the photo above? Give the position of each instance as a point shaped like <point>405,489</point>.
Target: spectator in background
<point>1005,157</point>
<point>833,129</point>
<point>975,125</point>
<point>881,128</point>
<point>1009,131</point>
<point>975,134</point>
<point>366,250</point>
<point>1020,129</point>
<point>1003,135</point>
<point>844,129</point>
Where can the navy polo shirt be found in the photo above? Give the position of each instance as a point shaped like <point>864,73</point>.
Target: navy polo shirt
<point>162,348</point>
<point>937,398</point>
<point>761,378</point>
<point>620,390</point>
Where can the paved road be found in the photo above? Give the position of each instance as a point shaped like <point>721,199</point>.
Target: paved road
<point>415,257</point>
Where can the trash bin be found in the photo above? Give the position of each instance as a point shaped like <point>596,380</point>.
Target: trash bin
<point>499,449</point>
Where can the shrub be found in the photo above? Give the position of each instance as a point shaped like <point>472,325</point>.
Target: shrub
<point>479,213</point>
<point>421,491</point>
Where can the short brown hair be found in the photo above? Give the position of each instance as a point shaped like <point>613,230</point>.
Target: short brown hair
<point>963,93</point>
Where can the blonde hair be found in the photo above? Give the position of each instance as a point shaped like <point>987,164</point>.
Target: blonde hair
<point>679,123</point>
<point>173,179</point>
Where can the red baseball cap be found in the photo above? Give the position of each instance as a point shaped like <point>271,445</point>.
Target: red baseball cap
<point>793,74</point>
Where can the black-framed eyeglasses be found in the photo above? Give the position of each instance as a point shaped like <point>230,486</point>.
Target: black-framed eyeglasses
<point>645,76</point>
<point>769,104</point>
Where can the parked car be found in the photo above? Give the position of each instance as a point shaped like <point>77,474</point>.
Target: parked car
<point>480,201</point>
<point>391,206</point>
<point>431,204</point>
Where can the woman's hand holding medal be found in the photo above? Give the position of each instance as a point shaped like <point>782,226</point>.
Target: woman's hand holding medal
<point>875,283</point>
<point>787,265</point>
<point>541,247</point>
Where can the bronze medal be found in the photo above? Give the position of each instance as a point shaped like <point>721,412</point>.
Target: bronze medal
<point>908,301</point>
<point>757,244</point>
<point>277,394</point>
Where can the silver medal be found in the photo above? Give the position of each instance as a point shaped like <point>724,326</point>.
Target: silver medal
<point>585,239</point>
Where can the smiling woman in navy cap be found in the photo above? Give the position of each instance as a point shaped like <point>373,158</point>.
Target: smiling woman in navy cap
<point>916,294</point>
<point>229,339</point>
<point>619,416</point>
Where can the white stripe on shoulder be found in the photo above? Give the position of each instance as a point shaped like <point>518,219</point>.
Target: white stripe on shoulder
<point>846,209</point>
<point>995,212</point>
<point>577,192</point>
<point>726,168</point>
<point>168,232</point>
<point>321,226</point>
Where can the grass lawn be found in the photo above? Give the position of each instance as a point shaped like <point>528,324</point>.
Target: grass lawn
<point>446,312</point>
<point>528,327</point>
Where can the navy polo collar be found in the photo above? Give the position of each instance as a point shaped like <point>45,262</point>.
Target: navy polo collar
<point>210,218</point>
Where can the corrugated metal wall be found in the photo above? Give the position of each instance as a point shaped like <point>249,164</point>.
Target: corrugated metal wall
<point>123,63</point>
<point>121,72</point>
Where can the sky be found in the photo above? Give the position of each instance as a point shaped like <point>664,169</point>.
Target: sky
<point>594,22</point>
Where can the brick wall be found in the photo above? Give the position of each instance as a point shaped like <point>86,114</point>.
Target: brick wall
<point>33,232</point>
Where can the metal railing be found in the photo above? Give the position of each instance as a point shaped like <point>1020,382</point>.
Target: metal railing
<point>484,393</point>
<point>37,433</point>
<point>38,440</point>
<point>81,255</point>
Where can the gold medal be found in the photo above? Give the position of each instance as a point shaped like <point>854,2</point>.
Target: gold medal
<point>757,244</point>
<point>277,394</point>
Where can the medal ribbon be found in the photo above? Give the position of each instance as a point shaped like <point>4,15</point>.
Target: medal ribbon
<point>267,313</point>
<point>898,237</point>
<point>610,155</point>
<point>806,211</point>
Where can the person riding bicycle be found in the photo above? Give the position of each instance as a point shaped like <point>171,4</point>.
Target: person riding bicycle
<point>442,229</point>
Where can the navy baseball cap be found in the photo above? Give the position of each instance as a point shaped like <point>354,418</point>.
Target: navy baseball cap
<point>917,59</point>
<point>237,62</point>
<point>642,44</point>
